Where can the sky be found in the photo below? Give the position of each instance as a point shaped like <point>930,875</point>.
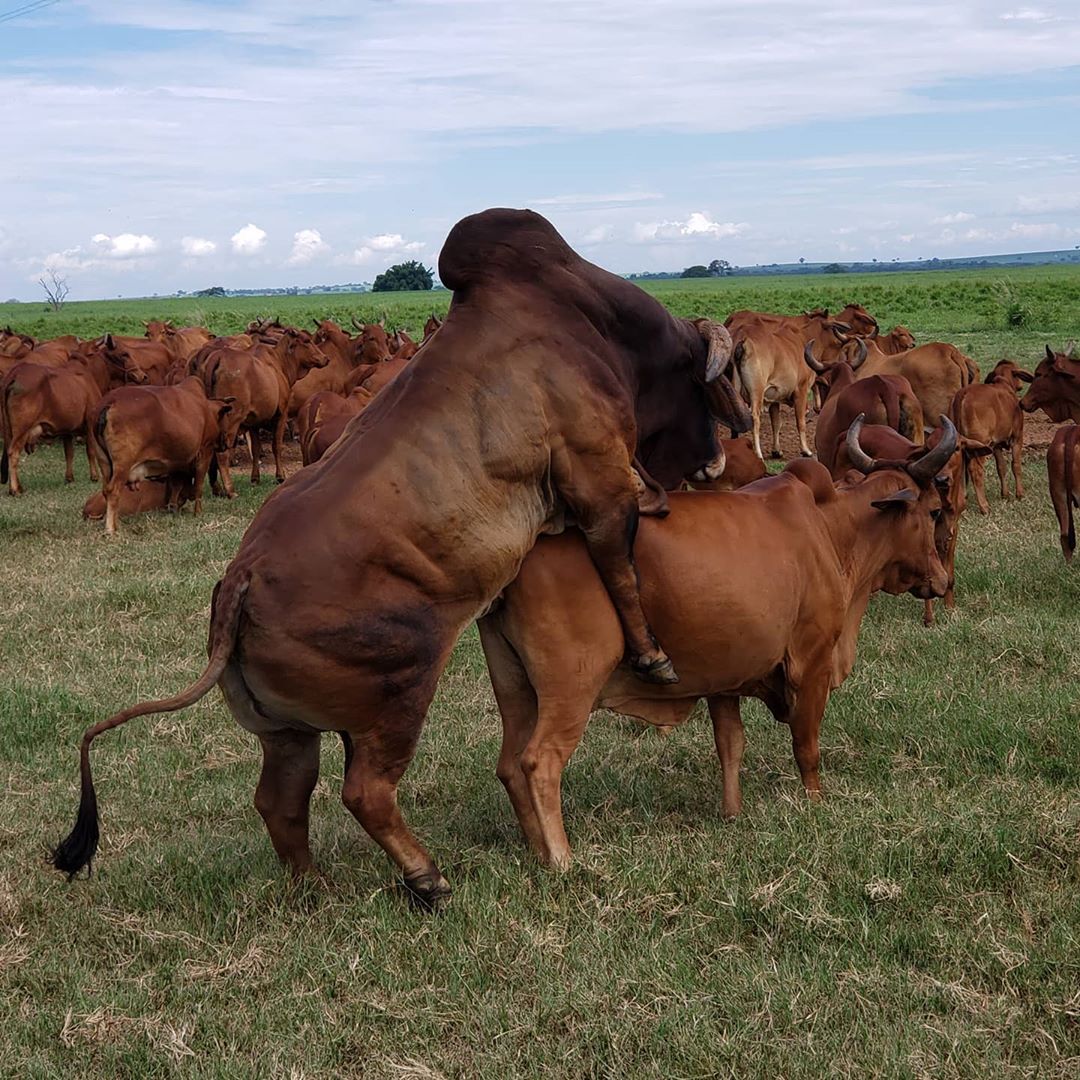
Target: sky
<point>157,145</point>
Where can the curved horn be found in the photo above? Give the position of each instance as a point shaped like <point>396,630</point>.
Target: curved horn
<point>874,333</point>
<point>1069,350</point>
<point>357,325</point>
<point>860,355</point>
<point>858,457</point>
<point>811,360</point>
<point>719,354</point>
<point>929,465</point>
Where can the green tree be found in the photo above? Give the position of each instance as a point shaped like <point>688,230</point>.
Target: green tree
<point>833,268</point>
<point>720,267</point>
<point>696,271</point>
<point>404,277</point>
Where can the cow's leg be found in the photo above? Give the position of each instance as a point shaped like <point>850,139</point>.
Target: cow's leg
<point>517,706</point>
<point>756,399</point>
<point>14,450</point>
<point>1002,471</point>
<point>928,613</point>
<point>225,475</point>
<point>91,458</point>
<point>381,755</point>
<point>69,458</point>
<point>255,447</point>
<point>202,466</point>
<point>978,482</point>
<point>279,439</point>
<point>776,421</point>
<point>730,739</point>
<point>1017,466</point>
<point>1060,498</point>
<point>805,723</point>
<point>800,406</point>
<point>283,797</point>
<point>559,727</point>
<point>112,505</point>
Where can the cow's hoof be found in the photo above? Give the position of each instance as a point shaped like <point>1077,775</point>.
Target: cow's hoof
<point>428,892</point>
<point>279,479</point>
<point>776,454</point>
<point>660,671</point>
<point>805,454</point>
<point>256,480</point>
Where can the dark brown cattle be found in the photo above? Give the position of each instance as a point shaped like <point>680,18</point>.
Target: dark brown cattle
<point>1063,473</point>
<point>782,629</point>
<point>548,378</point>
<point>152,432</point>
<point>1055,387</point>
<point>989,413</point>
<point>259,381</point>
<point>40,402</point>
<point>169,494</point>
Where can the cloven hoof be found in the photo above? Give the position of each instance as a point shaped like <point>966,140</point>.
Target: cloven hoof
<point>428,892</point>
<point>660,671</point>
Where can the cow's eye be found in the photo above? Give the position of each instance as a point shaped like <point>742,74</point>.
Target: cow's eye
<point>935,514</point>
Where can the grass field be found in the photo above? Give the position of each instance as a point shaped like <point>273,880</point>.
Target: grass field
<point>923,920</point>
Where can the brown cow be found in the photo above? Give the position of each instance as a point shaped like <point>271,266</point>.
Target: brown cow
<point>147,432</point>
<point>899,339</point>
<point>151,357</point>
<point>990,413</point>
<point>433,323</point>
<point>1055,387</point>
<point>376,377</point>
<point>741,467</point>
<point>549,377</point>
<point>39,401</point>
<point>809,556</point>
<point>340,350</point>
<point>323,419</point>
<point>1063,473</point>
<point>259,381</point>
<point>169,494</point>
<point>374,343</point>
<point>183,342</point>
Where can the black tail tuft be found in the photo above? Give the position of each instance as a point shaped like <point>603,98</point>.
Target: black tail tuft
<point>4,467</point>
<point>78,848</point>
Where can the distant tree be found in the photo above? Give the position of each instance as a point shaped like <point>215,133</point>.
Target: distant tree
<point>833,268</point>
<point>720,267</point>
<point>404,277</point>
<point>214,290</point>
<point>696,271</point>
<point>801,261</point>
<point>56,289</point>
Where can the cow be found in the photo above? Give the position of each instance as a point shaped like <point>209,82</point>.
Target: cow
<point>40,401</point>
<point>154,358</point>
<point>168,494</point>
<point>548,379</point>
<point>340,350</point>
<point>260,381</point>
<point>782,629</point>
<point>1063,473</point>
<point>52,353</point>
<point>182,342</point>
<point>152,432</point>
<point>1055,387</point>
<point>899,339</point>
<point>323,419</point>
<point>430,326</point>
<point>990,413</point>
<point>880,399</point>
<point>741,466</point>
<point>374,342</point>
<point>376,377</point>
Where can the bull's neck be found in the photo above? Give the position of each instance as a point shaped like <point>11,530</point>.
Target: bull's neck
<point>286,360</point>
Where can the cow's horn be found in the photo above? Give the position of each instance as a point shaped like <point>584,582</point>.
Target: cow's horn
<point>357,325</point>
<point>929,465</point>
<point>719,355</point>
<point>860,355</point>
<point>812,361</point>
<point>858,457</point>
<point>1070,349</point>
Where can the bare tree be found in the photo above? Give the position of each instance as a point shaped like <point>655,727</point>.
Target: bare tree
<point>56,288</point>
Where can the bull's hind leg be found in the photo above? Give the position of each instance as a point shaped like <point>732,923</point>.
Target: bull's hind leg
<point>283,798</point>
<point>1002,471</point>
<point>978,482</point>
<point>69,458</point>
<point>255,447</point>
<point>1018,465</point>
<point>279,441</point>
<point>730,739</point>
<point>380,756</point>
<point>776,422</point>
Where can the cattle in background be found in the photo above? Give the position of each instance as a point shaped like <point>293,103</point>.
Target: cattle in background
<point>1063,473</point>
<point>782,629</point>
<point>340,349</point>
<point>169,494</point>
<point>989,413</point>
<point>259,381</point>
<point>323,419</point>
<point>899,339</point>
<point>153,358</point>
<point>38,401</point>
<point>376,377</point>
<point>374,343</point>
<point>741,466</point>
<point>431,326</point>
<point>13,348</point>
<point>183,342</point>
<point>152,432</point>
<point>1055,387</point>
<point>423,512</point>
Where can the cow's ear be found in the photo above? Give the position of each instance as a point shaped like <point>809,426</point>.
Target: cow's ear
<point>1049,354</point>
<point>897,500</point>
<point>1024,376</point>
<point>974,448</point>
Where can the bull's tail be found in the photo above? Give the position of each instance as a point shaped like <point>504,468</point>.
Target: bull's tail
<point>101,447</point>
<point>6,430</point>
<point>1070,499</point>
<point>79,847</point>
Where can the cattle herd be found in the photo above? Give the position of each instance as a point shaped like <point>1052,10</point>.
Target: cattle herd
<point>440,483</point>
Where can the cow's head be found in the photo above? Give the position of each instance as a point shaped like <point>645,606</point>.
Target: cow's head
<point>828,377</point>
<point>222,408</point>
<point>1055,387</point>
<point>1008,374</point>
<point>302,347</point>
<point>119,359</point>
<point>910,493</point>
<point>900,339</point>
<point>860,320</point>
<point>725,404</point>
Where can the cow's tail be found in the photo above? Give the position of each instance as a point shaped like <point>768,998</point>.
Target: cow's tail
<point>972,369</point>
<point>105,461</point>
<point>890,401</point>
<point>909,421</point>
<point>1070,498</point>
<point>79,847</point>
<point>5,432</point>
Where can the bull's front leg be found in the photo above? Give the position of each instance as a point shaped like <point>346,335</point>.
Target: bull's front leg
<point>255,447</point>
<point>279,444</point>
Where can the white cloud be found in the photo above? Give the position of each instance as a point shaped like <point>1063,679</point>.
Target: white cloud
<point>384,247</point>
<point>697,226</point>
<point>598,235</point>
<point>249,240</point>
<point>1047,204</point>
<point>196,246</point>
<point>1035,15</point>
<point>954,219</point>
<point>307,244</point>
<point>125,246</point>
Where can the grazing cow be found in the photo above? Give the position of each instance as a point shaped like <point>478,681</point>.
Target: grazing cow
<point>548,379</point>
<point>1063,473</point>
<point>885,445</point>
<point>39,401</point>
<point>152,432</point>
<point>1055,387</point>
<point>741,467</point>
<point>899,339</point>
<point>782,629</point>
<point>990,413</point>
<point>260,381</point>
<point>323,419</point>
<point>153,358</point>
<point>169,494</point>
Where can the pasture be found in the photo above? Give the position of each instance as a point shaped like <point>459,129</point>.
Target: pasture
<point>923,920</point>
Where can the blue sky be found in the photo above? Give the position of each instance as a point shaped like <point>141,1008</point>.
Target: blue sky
<point>153,146</point>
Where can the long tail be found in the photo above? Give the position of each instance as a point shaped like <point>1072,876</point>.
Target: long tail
<point>5,430</point>
<point>79,847</point>
<point>1070,498</point>
<point>101,447</point>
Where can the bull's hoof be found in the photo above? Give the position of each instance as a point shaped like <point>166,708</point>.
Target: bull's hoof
<point>660,671</point>
<point>805,453</point>
<point>428,892</point>
<point>777,455</point>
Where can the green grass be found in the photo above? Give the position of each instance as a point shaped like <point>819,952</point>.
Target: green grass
<point>924,920</point>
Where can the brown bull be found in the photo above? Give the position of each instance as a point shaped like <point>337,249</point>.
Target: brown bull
<point>782,629</point>
<point>989,413</point>
<point>547,379</point>
<point>1063,474</point>
<point>259,381</point>
<point>153,432</point>
<point>183,342</point>
<point>40,402</point>
<point>374,343</point>
<point>1055,387</point>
